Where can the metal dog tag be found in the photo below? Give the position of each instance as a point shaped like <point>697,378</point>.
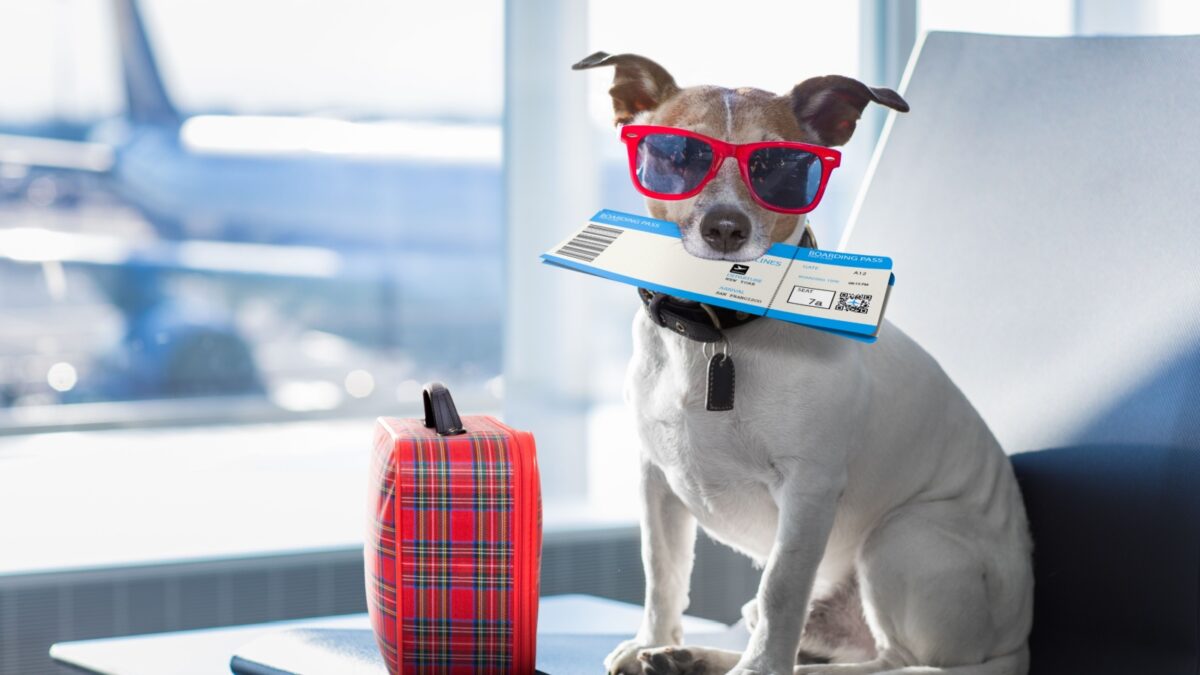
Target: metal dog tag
<point>719,395</point>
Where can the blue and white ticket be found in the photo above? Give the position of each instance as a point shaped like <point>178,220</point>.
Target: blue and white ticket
<point>844,293</point>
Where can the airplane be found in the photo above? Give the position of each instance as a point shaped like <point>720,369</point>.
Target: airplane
<point>388,233</point>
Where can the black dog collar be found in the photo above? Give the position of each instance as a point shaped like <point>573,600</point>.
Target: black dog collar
<point>692,320</point>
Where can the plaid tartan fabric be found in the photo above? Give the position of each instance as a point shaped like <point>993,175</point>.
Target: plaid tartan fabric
<point>442,563</point>
<point>380,553</point>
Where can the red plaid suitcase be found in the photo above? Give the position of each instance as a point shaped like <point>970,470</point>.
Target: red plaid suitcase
<point>453,552</point>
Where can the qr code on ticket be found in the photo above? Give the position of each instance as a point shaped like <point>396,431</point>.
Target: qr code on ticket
<point>853,302</point>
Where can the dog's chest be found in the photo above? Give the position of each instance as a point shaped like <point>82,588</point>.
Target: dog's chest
<point>709,458</point>
<point>666,387</point>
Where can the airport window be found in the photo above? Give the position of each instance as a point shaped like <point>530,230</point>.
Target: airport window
<point>313,228</point>
<point>359,58</point>
<point>1024,17</point>
<point>68,71</point>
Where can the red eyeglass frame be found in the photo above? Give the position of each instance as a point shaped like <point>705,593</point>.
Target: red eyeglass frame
<point>632,134</point>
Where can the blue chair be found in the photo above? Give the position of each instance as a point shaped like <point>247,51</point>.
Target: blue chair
<point>1040,202</point>
<point>1117,558</point>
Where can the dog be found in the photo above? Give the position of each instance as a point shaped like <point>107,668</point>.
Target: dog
<point>884,513</point>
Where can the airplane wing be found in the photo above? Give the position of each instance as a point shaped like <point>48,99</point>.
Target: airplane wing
<point>52,153</point>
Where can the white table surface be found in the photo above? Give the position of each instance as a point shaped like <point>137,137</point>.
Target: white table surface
<point>207,652</point>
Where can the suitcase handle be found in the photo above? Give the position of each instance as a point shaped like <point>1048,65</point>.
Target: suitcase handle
<point>440,412</point>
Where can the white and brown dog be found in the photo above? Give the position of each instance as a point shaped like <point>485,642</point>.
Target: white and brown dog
<point>886,515</point>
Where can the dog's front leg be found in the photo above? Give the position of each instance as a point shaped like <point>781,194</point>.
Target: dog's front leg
<point>807,498</point>
<point>668,547</point>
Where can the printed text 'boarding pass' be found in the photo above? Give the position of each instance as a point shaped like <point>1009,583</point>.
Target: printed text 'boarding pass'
<point>841,292</point>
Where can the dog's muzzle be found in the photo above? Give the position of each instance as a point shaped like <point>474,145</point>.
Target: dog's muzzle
<point>725,229</point>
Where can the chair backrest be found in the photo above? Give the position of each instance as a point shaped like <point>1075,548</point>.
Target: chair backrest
<point>1041,204</point>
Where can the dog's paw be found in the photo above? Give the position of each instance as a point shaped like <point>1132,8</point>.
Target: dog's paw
<point>624,659</point>
<point>672,661</point>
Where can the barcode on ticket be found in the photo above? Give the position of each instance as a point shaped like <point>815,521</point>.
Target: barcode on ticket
<point>590,243</point>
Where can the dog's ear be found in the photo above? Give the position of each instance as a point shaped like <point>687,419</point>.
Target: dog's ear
<point>638,84</point>
<point>830,106</point>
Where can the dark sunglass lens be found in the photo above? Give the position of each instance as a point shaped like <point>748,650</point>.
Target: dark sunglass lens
<point>785,177</point>
<point>671,164</point>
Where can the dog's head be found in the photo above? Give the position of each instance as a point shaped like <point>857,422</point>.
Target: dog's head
<point>723,221</point>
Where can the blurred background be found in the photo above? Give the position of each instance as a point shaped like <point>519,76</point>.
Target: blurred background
<point>233,233</point>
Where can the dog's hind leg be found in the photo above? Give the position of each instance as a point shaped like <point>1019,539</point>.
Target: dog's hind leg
<point>944,592</point>
<point>879,665</point>
<point>709,661</point>
<point>1008,664</point>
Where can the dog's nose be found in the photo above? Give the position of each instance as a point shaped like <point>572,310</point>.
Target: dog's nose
<point>725,229</point>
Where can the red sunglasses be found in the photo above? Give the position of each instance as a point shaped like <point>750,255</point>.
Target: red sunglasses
<point>783,176</point>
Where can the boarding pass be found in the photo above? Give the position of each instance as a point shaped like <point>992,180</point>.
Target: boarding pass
<point>844,293</point>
